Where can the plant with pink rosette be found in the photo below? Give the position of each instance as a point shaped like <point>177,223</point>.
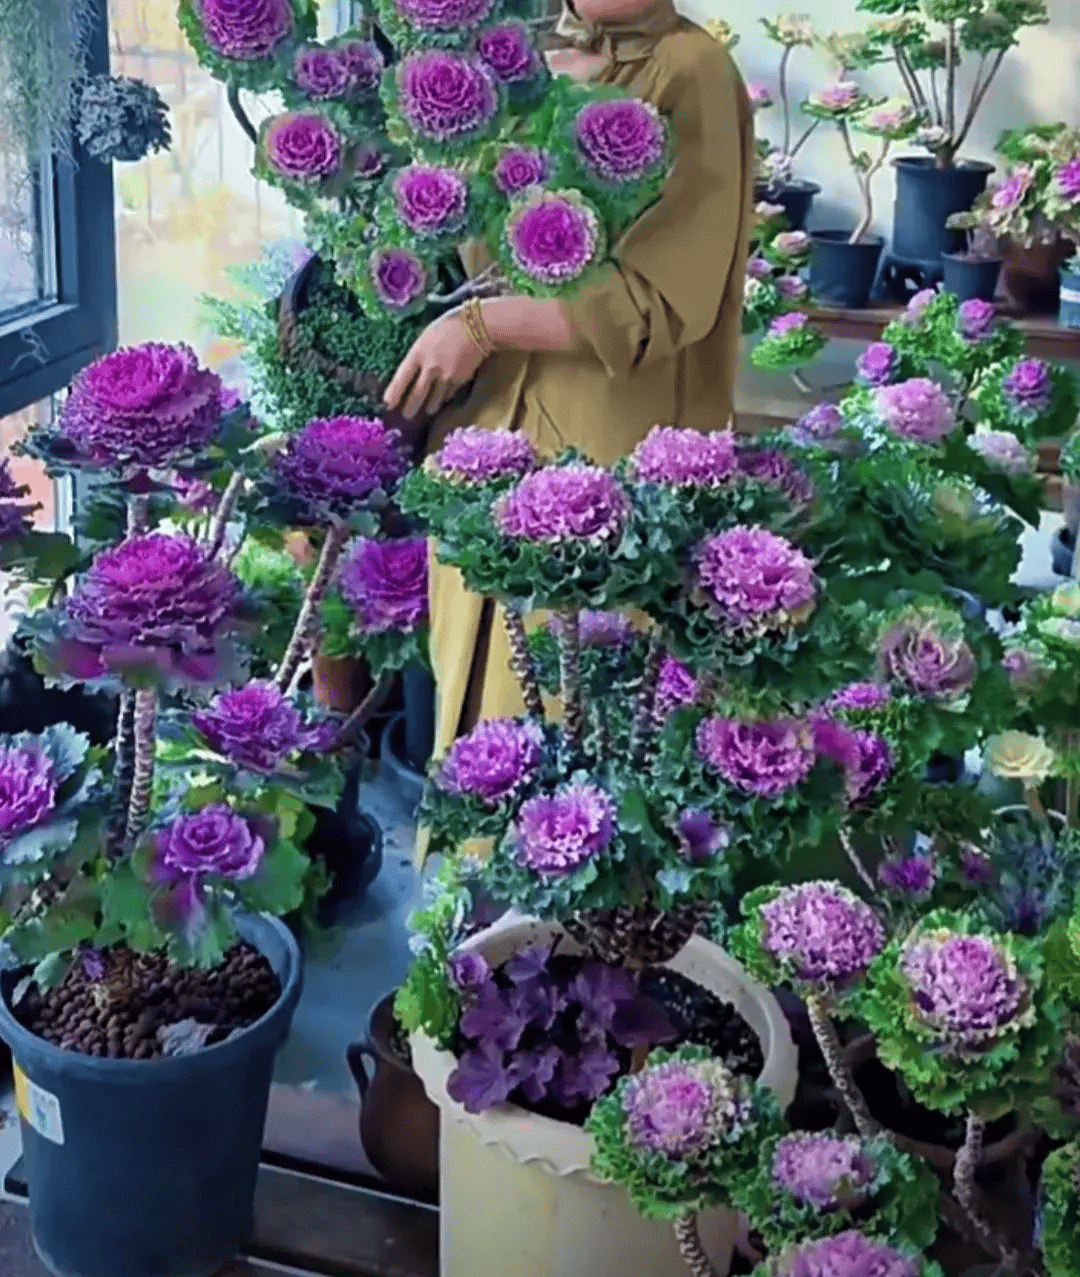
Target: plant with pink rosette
<point>246,42</point>
<point>471,464</point>
<point>967,1018</point>
<point>790,343</point>
<point>849,1253</point>
<point>1035,399</point>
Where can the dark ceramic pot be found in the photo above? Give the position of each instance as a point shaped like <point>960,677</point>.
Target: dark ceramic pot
<point>399,1125</point>
<point>795,198</point>
<point>841,273</point>
<point>1032,276</point>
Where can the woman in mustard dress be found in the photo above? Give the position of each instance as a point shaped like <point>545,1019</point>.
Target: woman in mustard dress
<point>653,341</point>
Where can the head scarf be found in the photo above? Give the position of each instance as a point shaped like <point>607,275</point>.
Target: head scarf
<point>626,41</point>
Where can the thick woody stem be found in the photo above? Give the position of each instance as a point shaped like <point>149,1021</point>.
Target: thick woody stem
<point>690,1247</point>
<point>570,679</point>
<point>522,665</point>
<point>645,724</point>
<point>123,770</point>
<point>138,515</point>
<point>856,861</point>
<point>220,522</point>
<point>307,623</point>
<point>360,715</point>
<point>829,1042</point>
<point>142,778</point>
<point>967,1194</point>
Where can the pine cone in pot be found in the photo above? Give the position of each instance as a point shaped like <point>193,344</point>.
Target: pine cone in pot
<point>121,118</point>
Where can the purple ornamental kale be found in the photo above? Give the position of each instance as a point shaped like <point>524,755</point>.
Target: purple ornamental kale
<point>158,596</point>
<point>493,762</point>
<point>975,319</point>
<point>444,15</point>
<point>575,502</point>
<point>321,75</point>
<point>212,843</point>
<point>917,409</point>
<point>871,769</point>
<point>620,140</point>
<point>685,458</point>
<point>823,1171</point>
<point>469,971</point>
<point>258,726</point>
<point>446,96</point>
<point>302,146</point>
<point>823,422</point>
<point>1029,387</point>
<point>878,363</point>
<point>507,52</point>
<point>142,405</point>
<point>558,833</point>
<point>760,757</point>
<point>912,876</point>
<point>386,584</point>
<point>398,276</point>
<point>700,837</point>
<point>431,200</point>
<point>847,1254</point>
<point>769,466</point>
<point>553,236</point>
<point>337,464</point>
<point>929,654</point>
<point>680,1108</point>
<point>520,167</point>
<point>676,687</point>
<point>472,455</point>
<point>754,580</point>
<point>598,629</point>
<point>822,931</point>
<point>966,987</point>
<point>27,790</point>
<point>860,696</point>
<point>245,30</point>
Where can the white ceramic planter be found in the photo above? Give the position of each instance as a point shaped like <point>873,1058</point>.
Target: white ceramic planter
<point>517,1196</point>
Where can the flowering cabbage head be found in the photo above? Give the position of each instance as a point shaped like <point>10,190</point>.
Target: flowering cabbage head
<point>431,200</point>
<point>917,409</point>
<point>680,1108</point>
<point>822,1170</point>
<point>555,834</point>
<point>446,97</point>
<point>474,456</point>
<point>621,139</point>
<point>193,852</point>
<point>154,601</point>
<point>820,933</point>
<point>493,762</point>
<point>302,146</point>
<point>847,1254</point>
<point>763,757</point>
<point>684,458</point>
<point>142,405</point>
<point>245,30</point>
<point>925,651</point>
<point>337,464</point>
<point>552,237</point>
<point>386,583</point>
<point>575,502</point>
<point>257,726</point>
<point>755,581</point>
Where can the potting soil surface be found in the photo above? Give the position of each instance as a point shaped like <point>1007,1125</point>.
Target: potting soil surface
<point>125,1005</point>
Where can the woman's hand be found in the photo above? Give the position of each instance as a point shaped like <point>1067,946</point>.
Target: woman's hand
<point>440,361</point>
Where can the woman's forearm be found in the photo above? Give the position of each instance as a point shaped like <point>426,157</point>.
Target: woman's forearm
<point>528,323</point>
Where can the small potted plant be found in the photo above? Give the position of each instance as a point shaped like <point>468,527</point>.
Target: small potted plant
<point>776,183</point>
<point>1035,209</point>
<point>844,264</point>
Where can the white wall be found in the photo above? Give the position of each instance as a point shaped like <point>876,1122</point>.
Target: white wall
<point>1038,82</point>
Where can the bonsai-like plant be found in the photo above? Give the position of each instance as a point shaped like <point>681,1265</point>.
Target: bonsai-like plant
<point>845,104</point>
<point>927,41</point>
<point>790,32</point>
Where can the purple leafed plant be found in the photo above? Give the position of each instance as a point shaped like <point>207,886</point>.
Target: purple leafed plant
<point>549,1031</point>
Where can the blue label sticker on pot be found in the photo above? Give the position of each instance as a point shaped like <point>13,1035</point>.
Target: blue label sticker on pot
<point>38,1108</point>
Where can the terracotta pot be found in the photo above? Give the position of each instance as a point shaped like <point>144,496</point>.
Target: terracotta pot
<point>1032,276</point>
<point>340,682</point>
<point>516,1191</point>
<point>863,1049</point>
<point>399,1125</point>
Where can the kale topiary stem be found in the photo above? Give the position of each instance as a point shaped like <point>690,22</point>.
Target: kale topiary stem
<point>224,512</point>
<point>123,770</point>
<point>967,1193</point>
<point>570,679</point>
<point>645,724</point>
<point>307,623</point>
<point>690,1247</point>
<point>145,720</point>
<point>832,1049</point>
<point>522,665</point>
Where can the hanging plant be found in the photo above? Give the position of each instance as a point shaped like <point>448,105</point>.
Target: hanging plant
<point>120,118</point>
<point>44,48</point>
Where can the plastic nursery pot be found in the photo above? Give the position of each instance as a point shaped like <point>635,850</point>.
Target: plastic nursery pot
<point>419,689</point>
<point>146,1168</point>
<point>926,197</point>
<point>795,198</point>
<point>862,1051</point>
<point>515,1189</point>
<point>1069,298</point>
<point>841,273</point>
<point>971,277</point>
<point>399,1125</point>
<point>1062,548</point>
<point>349,842</point>
<point>1032,275</point>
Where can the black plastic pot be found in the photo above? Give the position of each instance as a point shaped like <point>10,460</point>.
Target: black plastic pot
<point>1062,546</point>
<point>1069,303</point>
<point>395,767</point>
<point>796,199</point>
<point>27,705</point>
<point>350,844</point>
<point>926,197</point>
<point>841,273</point>
<point>419,688</point>
<point>146,1168</point>
<point>971,277</point>
<point>944,769</point>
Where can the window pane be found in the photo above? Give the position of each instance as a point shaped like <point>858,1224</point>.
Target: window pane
<point>27,246</point>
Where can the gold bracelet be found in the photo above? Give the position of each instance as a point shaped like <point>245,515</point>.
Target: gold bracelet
<point>465,314</point>
<point>476,328</point>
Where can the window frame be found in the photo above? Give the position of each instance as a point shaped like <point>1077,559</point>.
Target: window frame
<point>43,345</point>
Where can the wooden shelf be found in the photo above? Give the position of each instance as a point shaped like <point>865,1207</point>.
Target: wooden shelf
<point>1046,338</point>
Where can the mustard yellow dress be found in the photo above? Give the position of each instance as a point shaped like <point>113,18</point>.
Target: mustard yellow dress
<point>658,332</point>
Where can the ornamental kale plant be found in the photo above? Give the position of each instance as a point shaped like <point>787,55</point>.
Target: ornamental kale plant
<point>463,134</point>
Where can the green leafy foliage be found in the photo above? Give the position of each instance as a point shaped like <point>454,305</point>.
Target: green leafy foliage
<point>1059,1239</point>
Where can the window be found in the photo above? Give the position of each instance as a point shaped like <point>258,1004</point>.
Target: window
<point>57,264</point>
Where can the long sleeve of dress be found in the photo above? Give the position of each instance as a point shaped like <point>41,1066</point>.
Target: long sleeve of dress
<point>672,265</point>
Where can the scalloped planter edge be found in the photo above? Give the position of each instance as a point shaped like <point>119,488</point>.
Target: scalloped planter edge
<point>516,1191</point>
